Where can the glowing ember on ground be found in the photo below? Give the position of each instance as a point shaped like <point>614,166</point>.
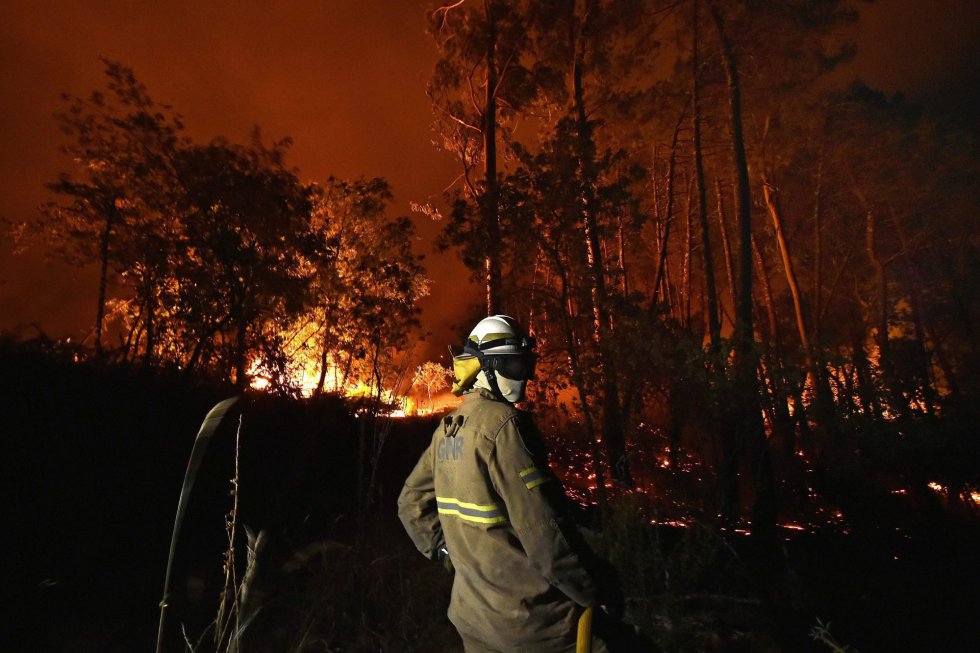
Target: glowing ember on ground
<point>936,487</point>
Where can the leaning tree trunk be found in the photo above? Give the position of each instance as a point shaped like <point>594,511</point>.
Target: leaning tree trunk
<point>794,288</point>
<point>817,375</point>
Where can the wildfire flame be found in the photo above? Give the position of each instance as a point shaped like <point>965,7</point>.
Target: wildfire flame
<point>305,374</point>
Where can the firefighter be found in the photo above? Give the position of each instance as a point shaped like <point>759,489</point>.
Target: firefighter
<point>483,494</point>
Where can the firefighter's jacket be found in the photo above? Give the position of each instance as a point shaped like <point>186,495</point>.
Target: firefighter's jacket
<point>483,490</point>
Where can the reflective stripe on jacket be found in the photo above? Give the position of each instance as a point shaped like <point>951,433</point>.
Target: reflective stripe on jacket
<point>480,491</point>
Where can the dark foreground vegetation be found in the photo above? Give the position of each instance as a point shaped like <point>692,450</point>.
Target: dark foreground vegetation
<point>93,460</point>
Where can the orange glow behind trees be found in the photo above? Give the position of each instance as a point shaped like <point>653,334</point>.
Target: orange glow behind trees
<point>230,266</point>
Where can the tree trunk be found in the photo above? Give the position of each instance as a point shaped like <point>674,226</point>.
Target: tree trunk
<point>671,294</point>
<point>921,323</point>
<point>534,288</point>
<point>241,382</point>
<point>578,380</point>
<point>782,422</point>
<point>204,340</point>
<point>707,261</point>
<point>658,222</point>
<point>866,387</point>
<point>625,286</point>
<point>150,299</point>
<point>668,214</point>
<point>726,243</point>
<point>686,273</point>
<point>889,382</point>
<point>491,209</point>
<point>103,276</point>
<point>321,382</point>
<point>816,302</point>
<point>748,418</point>
<point>612,426</point>
<point>882,283</point>
<point>929,331</point>
<point>880,279</point>
<point>346,375</point>
<point>132,338</point>
<point>790,271</point>
<point>768,301</point>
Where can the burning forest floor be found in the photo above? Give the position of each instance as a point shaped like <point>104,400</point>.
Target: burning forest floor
<point>94,456</point>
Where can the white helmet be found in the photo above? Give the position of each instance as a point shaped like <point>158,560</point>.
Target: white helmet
<point>498,356</point>
<point>499,334</point>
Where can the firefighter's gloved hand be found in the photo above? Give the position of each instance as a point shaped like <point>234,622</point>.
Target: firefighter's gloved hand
<point>447,562</point>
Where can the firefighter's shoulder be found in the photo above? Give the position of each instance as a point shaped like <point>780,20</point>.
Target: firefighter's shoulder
<point>488,415</point>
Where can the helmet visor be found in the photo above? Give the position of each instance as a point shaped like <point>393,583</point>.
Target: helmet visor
<point>517,367</point>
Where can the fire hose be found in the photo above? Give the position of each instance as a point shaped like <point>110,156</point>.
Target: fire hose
<point>583,643</point>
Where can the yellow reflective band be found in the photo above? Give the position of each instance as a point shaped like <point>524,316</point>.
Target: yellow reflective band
<point>474,512</point>
<point>533,477</point>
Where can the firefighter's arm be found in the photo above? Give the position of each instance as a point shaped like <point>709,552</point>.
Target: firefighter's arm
<point>417,508</point>
<point>526,485</point>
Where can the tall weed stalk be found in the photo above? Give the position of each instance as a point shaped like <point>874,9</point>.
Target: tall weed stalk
<point>212,422</point>
<point>228,607</point>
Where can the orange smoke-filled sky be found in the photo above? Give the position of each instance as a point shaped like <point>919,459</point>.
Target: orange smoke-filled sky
<point>346,80</point>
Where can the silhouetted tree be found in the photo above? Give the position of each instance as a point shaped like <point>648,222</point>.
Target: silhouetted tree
<point>119,210</point>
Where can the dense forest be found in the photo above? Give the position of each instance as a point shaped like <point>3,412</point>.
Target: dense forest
<point>753,282</point>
